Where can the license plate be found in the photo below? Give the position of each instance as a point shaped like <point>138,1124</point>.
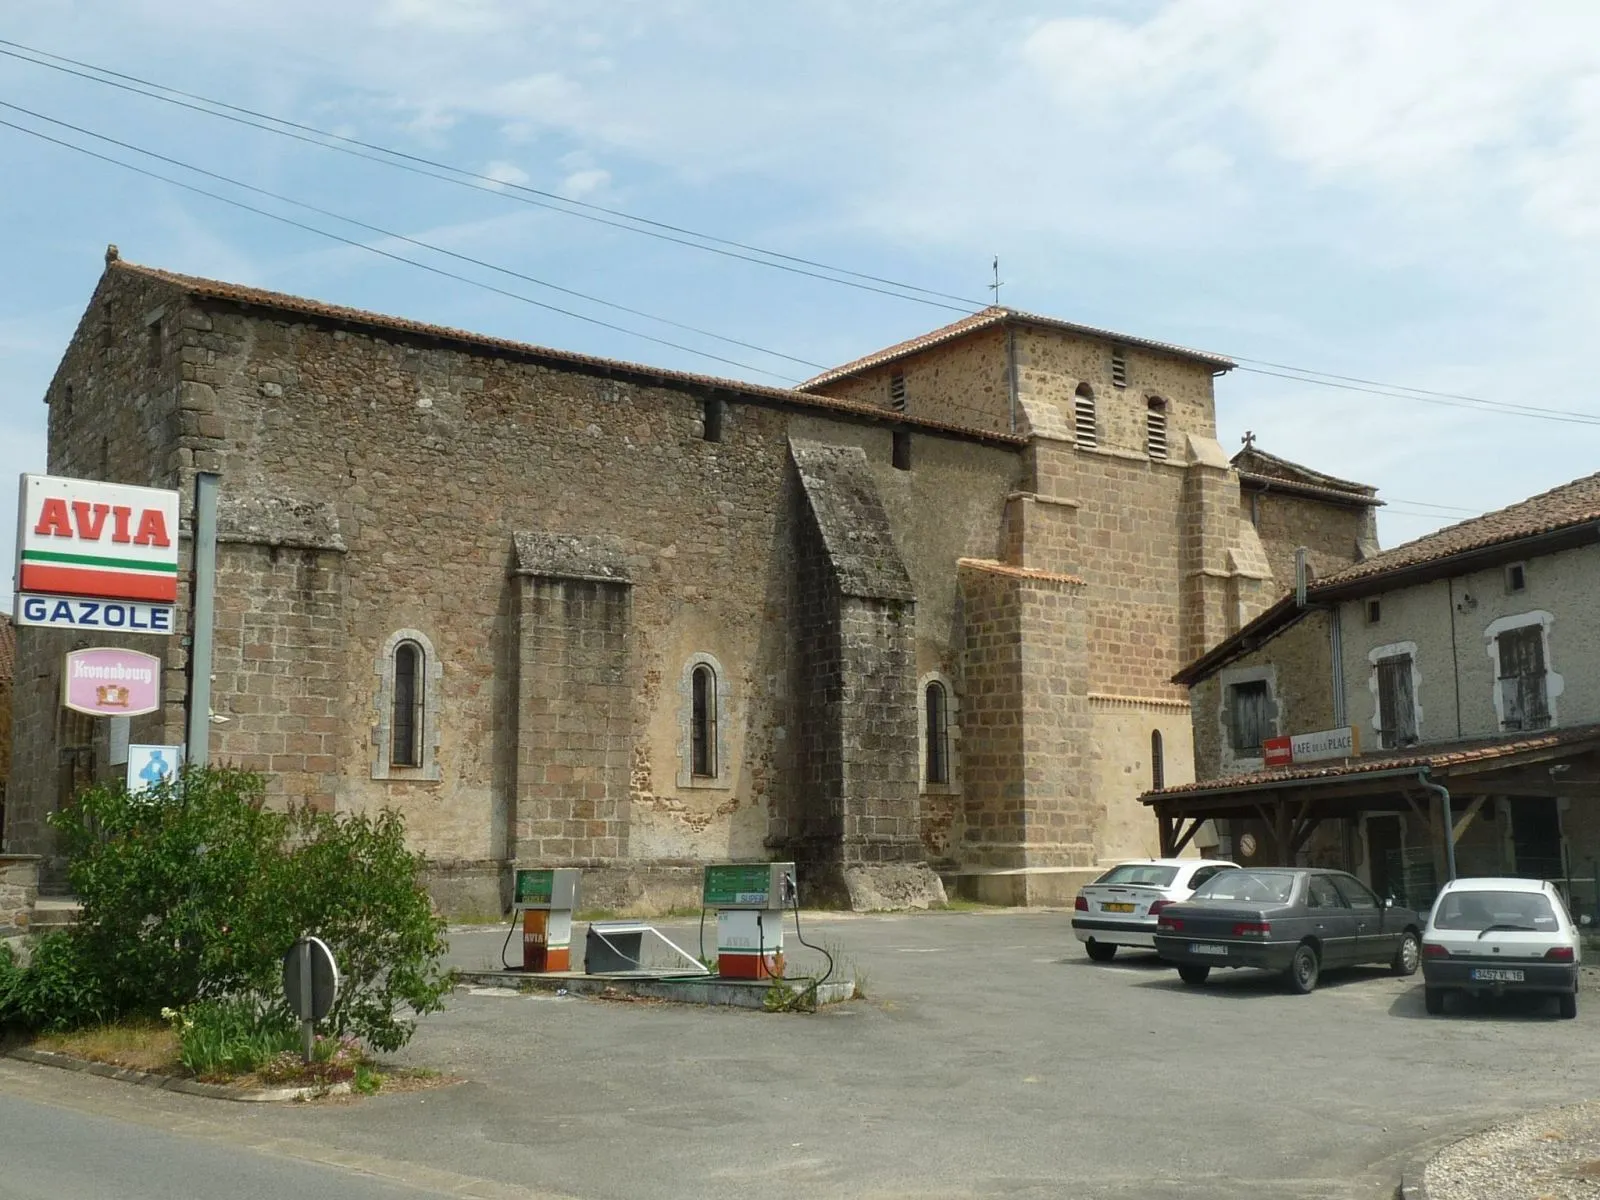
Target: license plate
<point>1116,908</point>
<point>1497,975</point>
<point>1202,948</point>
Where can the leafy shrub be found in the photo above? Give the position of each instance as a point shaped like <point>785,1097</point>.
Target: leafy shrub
<point>194,892</point>
<point>333,1060</point>
<point>230,1037</point>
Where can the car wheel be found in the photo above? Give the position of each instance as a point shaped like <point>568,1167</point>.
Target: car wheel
<point>1567,1005</point>
<point>1407,955</point>
<point>1100,951</point>
<point>1194,974</point>
<point>1433,1000</point>
<point>1304,969</point>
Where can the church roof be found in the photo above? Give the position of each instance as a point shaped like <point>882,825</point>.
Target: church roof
<point>995,316</point>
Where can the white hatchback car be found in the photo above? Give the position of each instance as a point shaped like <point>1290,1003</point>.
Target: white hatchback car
<point>1122,906</point>
<point>1492,936</point>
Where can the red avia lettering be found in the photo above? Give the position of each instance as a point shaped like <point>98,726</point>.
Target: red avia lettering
<point>88,521</point>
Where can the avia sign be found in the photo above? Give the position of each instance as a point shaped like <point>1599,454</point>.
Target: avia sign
<point>112,549</point>
<point>106,682</point>
<point>1311,747</point>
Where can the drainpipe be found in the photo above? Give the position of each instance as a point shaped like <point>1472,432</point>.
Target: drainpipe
<point>1449,821</point>
<point>1011,373</point>
<point>1336,653</point>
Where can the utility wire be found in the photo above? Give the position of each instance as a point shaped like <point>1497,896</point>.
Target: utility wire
<point>400,258</point>
<point>554,202</point>
<point>466,258</point>
<point>485,183</point>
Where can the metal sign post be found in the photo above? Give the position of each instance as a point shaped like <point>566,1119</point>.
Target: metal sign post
<point>205,596</point>
<point>310,985</point>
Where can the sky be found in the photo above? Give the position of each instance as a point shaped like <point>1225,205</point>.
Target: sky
<point>1398,191</point>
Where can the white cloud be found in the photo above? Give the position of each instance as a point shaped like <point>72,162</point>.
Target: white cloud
<point>505,172</point>
<point>584,183</point>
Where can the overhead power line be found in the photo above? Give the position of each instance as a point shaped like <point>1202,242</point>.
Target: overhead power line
<point>418,242</point>
<point>400,258</point>
<point>460,176</point>
<point>1400,392</point>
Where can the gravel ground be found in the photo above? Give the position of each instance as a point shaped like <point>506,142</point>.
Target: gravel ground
<point>1552,1155</point>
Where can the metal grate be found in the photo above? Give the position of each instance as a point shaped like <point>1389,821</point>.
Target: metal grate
<point>1155,429</point>
<point>897,392</point>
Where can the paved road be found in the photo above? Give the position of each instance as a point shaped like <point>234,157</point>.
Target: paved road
<point>991,1060</point>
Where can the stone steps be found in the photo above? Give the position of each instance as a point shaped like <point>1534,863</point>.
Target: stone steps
<point>53,912</point>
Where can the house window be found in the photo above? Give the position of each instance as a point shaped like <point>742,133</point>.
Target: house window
<point>1119,368</point>
<point>1516,577</point>
<point>405,726</point>
<point>1250,716</point>
<point>703,731</point>
<point>1374,611</point>
<point>1155,427</point>
<point>1158,765</point>
<point>1524,701</point>
<point>902,450</point>
<point>711,420</point>
<point>1397,703</point>
<point>936,704</point>
<point>1083,422</point>
<point>897,392</point>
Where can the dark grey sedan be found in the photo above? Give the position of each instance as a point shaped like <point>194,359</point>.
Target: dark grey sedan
<point>1297,920</point>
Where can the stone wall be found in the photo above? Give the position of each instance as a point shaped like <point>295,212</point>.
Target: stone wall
<point>1334,535</point>
<point>19,888</point>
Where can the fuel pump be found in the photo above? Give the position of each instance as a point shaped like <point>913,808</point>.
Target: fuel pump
<point>545,897</point>
<point>749,899</point>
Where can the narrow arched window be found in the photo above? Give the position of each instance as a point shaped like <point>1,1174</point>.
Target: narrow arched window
<point>405,749</point>
<point>1083,424</point>
<point>1158,763</point>
<point>937,716</point>
<point>1155,427</point>
<point>703,735</point>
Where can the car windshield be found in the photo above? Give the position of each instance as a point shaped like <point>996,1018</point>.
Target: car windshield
<point>1259,886</point>
<point>1148,874</point>
<point>1478,911</point>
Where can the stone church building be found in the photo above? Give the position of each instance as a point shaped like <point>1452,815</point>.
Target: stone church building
<point>914,621</point>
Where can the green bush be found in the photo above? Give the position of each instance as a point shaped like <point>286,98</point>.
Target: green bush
<point>194,892</point>
<point>230,1037</point>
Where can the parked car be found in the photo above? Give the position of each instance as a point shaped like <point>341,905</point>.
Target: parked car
<point>1298,920</point>
<point>1492,936</point>
<point>1120,908</point>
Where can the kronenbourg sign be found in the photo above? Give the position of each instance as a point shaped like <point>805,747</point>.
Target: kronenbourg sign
<point>94,555</point>
<point>106,682</point>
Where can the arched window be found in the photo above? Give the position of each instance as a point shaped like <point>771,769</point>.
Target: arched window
<point>406,721</point>
<point>1083,422</point>
<point>703,719</point>
<point>1155,427</point>
<point>1158,764</point>
<point>936,713</point>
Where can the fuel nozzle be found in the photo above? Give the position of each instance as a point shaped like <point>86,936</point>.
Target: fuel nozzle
<point>789,896</point>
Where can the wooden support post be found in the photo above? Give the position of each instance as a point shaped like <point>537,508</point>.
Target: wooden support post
<point>1167,850</point>
<point>1466,818</point>
<point>1194,828</point>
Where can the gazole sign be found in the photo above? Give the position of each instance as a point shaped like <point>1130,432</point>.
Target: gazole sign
<point>94,555</point>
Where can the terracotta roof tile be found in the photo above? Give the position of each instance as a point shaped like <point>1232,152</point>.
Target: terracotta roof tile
<point>1575,503</point>
<point>1439,757</point>
<point>999,568</point>
<point>989,318</point>
<point>213,289</point>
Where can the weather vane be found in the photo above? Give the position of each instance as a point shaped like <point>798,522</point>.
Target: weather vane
<point>996,285</point>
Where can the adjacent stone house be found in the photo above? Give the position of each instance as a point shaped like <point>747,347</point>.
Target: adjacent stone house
<point>917,616</point>
<point>1467,661</point>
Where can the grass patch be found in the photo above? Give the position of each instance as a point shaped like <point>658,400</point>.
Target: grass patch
<point>956,904</point>
<point>141,1045</point>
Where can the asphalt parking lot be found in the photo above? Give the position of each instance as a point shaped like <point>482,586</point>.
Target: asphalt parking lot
<point>990,1059</point>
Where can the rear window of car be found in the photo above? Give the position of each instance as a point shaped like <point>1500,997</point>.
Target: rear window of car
<point>1148,874</point>
<point>1480,910</point>
<point>1261,887</point>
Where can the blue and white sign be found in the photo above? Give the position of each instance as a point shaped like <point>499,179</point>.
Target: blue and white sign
<point>151,765</point>
<point>60,612</point>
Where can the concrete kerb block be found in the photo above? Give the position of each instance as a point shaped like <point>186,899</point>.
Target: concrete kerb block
<point>171,1083</point>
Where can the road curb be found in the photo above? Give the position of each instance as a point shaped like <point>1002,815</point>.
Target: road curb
<point>171,1083</point>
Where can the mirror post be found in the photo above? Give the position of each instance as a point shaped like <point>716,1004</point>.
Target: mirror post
<point>308,1027</point>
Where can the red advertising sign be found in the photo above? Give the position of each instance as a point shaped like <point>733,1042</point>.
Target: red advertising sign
<point>1278,751</point>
